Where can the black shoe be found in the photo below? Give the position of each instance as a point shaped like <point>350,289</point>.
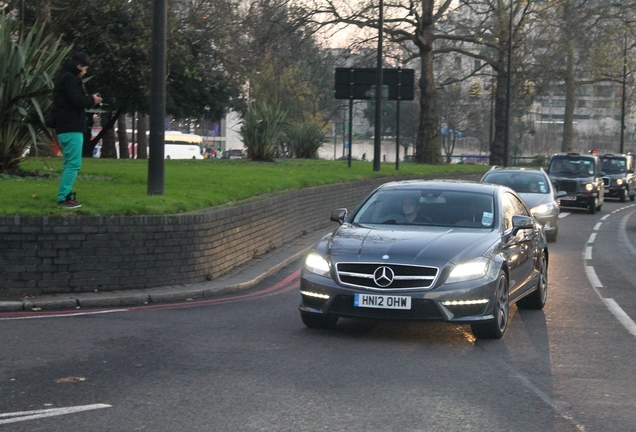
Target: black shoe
<point>70,202</point>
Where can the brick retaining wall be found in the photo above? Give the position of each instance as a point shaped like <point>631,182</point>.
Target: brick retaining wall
<point>75,253</point>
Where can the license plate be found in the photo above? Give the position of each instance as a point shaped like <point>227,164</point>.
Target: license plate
<point>382,301</point>
<point>568,198</point>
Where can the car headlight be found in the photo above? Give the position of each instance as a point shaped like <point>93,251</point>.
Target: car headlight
<point>315,263</point>
<point>542,209</point>
<point>475,269</point>
<point>589,187</point>
<point>619,182</point>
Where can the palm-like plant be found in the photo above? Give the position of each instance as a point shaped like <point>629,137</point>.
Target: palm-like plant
<point>28,65</point>
<point>305,139</point>
<point>261,130</point>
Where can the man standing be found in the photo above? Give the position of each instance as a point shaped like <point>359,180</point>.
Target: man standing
<point>70,102</point>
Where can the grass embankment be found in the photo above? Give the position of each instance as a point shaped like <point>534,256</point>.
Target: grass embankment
<point>120,187</point>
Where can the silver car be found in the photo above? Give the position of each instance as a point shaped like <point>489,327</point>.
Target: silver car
<point>535,188</point>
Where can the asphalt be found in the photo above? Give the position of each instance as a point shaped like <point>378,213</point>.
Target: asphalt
<point>241,278</point>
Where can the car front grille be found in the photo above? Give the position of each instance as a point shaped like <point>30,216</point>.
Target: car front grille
<point>568,186</point>
<point>379,276</point>
<point>421,309</point>
<point>606,181</point>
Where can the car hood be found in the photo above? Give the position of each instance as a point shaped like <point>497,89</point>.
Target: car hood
<point>535,199</point>
<point>434,245</point>
<point>616,176</point>
<point>577,178</point>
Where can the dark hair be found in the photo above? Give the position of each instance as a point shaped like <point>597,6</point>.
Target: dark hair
<point>80,58</point>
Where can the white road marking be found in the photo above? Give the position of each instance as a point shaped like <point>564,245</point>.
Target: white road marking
<point>62,315</point>
<point>592,238</point>
<point>15,417</point>
<point>621,316</point>
<point>610,303</point>
<point>622,234</point>
<point>594,280</point>
<point>597,226</point>
<point>563,214</point>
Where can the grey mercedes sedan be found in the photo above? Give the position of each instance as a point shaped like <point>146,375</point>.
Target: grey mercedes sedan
<point>458,252</point>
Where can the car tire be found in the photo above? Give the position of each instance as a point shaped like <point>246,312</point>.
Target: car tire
<point>319,321</point>
<point>624,194</point>
<point>593,207</point>
<point>539,296</point>
<point>632,197</point>
<point>495,328</point>
<point>552,236</point>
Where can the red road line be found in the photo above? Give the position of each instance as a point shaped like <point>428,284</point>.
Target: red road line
<point>288,284</point>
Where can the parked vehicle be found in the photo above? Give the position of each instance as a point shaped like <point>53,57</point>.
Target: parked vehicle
<point>234,154</point>
<point>619,177</point>
<point>464,255</point>
<point>179,145</point>
<point>535,188</point>
<point>581,177</point>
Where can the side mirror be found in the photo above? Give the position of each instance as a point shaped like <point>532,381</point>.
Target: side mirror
<point>338,215</point>
<point>521,222</point>
<point>559,194</point>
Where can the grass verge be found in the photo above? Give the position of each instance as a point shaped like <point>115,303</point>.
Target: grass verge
<point>120,187</point>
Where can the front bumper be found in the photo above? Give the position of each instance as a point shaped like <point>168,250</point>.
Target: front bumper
<point>462,302</point>
<point>584,200</point>
<point>615,191</point>
<point>549,222</point>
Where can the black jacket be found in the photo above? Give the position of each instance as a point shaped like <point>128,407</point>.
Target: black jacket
<point>70,101</point>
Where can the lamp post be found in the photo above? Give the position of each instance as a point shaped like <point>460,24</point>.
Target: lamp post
<point>623,86</point>
<point>157,100</point>
<point>623,93</point>
<point>377,143</point>
<point>508,91</point>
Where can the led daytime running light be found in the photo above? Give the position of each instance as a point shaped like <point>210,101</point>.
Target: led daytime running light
<point>313,294</point>
<point>464,302</point>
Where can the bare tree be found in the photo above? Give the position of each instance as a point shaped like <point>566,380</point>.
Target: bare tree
<point>409,24</point>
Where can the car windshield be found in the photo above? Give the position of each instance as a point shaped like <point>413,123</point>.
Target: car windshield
<point>401,206</point>
<point>614,165</point>
<point>520,182</point>
<point>572,167</point>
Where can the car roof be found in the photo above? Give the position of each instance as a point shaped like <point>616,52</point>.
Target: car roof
<point>575,155</point>
<point>515,169</point>
<point>616,155</point>
<point>457,185</point>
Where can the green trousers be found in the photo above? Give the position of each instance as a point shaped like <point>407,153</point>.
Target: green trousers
<point>71,144</point>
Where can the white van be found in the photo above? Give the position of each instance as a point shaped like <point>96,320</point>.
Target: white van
<point>182,146</point>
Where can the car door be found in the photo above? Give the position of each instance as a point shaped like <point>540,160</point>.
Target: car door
<point>598,178</point>
<point>519,247</point>
<point>629,176</point>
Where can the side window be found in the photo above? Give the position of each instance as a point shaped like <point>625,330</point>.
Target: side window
<point>519,208</point>
<point>511,206</point>
<point>507,210</point>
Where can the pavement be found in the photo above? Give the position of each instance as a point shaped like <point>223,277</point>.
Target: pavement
<point>240,278</point>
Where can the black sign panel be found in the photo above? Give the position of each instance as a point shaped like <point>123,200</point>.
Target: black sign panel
<point>360,83</point>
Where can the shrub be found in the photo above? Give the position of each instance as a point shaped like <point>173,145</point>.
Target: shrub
<point>305,139</point>
<point>28,65</point>
<point>262,129</point>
